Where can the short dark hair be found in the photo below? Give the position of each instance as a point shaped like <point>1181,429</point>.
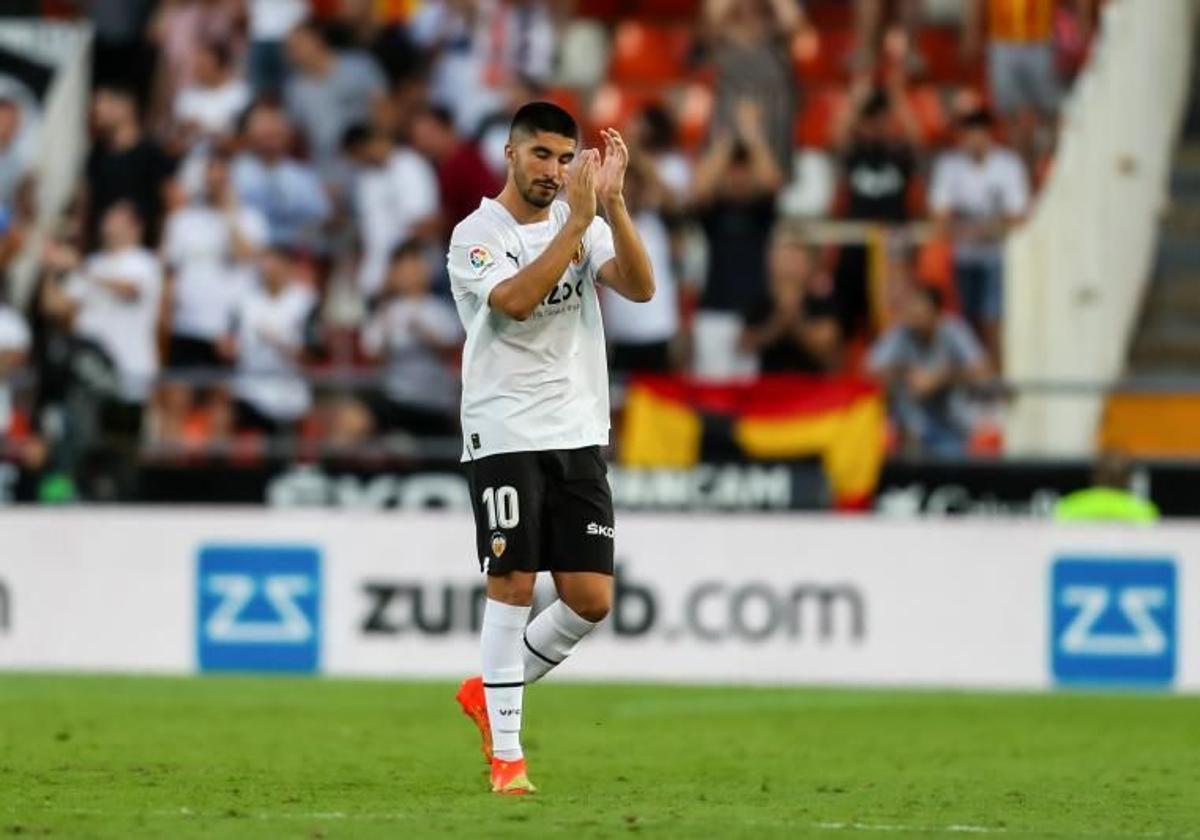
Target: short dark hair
<point>978,118</point>
<point>931,294</point>
<point>440,114</point>
<point>877,105</point>
<point>411,247</point>
<point>543,116</point>
<point>659,127</point>
<point>355,136</point>
<point>219,51</point>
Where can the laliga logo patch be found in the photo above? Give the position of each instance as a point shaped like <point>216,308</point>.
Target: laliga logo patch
<point>480,258</point>
<point>499,544</point>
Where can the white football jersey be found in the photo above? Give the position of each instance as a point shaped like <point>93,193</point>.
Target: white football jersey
<point>536,384</point>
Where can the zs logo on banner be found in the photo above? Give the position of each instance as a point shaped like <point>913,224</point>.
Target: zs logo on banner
<point>258,608</point>
<point>1113,620</point>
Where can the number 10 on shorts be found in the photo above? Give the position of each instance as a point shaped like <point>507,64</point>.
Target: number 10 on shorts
<point>503,507</point>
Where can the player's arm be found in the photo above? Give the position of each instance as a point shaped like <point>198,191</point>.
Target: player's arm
<point>629,274</point>
<point>519,295</point>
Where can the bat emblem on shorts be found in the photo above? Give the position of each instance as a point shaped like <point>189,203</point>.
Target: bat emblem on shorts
<point>499,544</point>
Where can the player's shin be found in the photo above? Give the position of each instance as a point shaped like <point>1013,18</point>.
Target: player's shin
<point>551,637</point>
<point>504,674</point>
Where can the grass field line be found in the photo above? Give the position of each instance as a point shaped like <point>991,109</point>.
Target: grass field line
<point>399,816</point>
<point>979,829</point>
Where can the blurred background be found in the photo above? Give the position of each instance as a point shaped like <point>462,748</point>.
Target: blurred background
<point>922,257</point>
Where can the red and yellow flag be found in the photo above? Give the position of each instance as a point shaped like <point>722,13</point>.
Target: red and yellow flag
<point>670,421</point>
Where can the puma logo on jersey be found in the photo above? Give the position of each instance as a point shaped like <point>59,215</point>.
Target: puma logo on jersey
<point>513,257</point>
<point>595,529</point>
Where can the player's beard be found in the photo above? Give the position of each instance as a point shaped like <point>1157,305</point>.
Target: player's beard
<point>533,192</point>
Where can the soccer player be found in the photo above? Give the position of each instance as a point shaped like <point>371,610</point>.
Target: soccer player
<point>523,270</point>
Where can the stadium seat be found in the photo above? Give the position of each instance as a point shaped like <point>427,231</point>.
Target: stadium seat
<point>693,113</point>
<point>814,122</point>
<point>645,53</point>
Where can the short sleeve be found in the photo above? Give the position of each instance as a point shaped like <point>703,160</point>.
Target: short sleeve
<point>477,262</point>
<point>1016,188</point>
<point>442,321</point>
<point>418,184</point>
<point>887,352</point>
<point>14,334</point>
<point>254,228</point>
<point>941,189</point>
<point>173,240</point>
<point>963,345</point>
<point>598,243</point>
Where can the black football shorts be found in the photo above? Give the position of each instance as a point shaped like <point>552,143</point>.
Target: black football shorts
<point>543,511</point>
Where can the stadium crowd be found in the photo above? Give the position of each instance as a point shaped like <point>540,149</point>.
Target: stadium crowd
<point>257,247</point>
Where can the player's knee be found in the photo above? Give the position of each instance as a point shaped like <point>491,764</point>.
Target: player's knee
<point>593,608</point>
<point>514,588</point>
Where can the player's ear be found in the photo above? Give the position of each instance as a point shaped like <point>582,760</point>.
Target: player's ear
<point>510,153</point>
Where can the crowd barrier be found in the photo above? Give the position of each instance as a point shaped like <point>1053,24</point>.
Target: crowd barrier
<point>733,599</point>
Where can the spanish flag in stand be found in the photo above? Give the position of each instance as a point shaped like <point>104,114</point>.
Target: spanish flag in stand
<point>672,422</point>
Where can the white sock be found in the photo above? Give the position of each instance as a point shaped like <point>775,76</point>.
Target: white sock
<point>504,674</point>
<point>551,637</point>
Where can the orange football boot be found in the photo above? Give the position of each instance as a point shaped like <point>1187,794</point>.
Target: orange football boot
<point>510,778</point>
<point>474,705</point>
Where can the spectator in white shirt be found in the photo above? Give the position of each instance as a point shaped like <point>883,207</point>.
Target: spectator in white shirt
<point>286,191</point>
<point>640,334</point>
<point>415,334</point>
<point>211,105</point>
<point>210,247</point>
<point>113,301</point>
<point>14,348</point>
<point>979,193</point>
<point>268,342</point>
<point>395,199</point>
<point>328,91</point>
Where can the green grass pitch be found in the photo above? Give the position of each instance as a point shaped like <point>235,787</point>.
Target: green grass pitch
<point>282,757</point>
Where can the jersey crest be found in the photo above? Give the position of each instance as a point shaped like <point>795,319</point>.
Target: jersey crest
<point>481,258</point>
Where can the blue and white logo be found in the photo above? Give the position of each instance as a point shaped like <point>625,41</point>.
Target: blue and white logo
<point>258,608</point>
<point>1113,620</point>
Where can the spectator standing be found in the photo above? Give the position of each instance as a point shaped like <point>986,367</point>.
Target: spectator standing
<point>210,245</point>
<point>881,23</point>
<point>641,334</point>
<point>121,56</point>
<point>14,349</point>
<point>328,91</point>
<point>268,342</point>
<point>125,164</point>
<point>286,191</point>
<point>464,179</point>
<point>210,106</point>
<point>751,49</point>
<point>979,193</point>
<point>928,362</point>
<point>414,333</point>
<point>270,21</point>
<point>478,48</point>
<point>395,199</point>
<point>1022,74</point>
<point>654,136</point>
<point>794,328</point>
<point>878,139</point>
<point>734,196</point>
<point>182,29</point>
<point>114,301</point>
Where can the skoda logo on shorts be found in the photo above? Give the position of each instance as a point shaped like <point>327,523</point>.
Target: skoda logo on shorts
<point>499,543</point>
